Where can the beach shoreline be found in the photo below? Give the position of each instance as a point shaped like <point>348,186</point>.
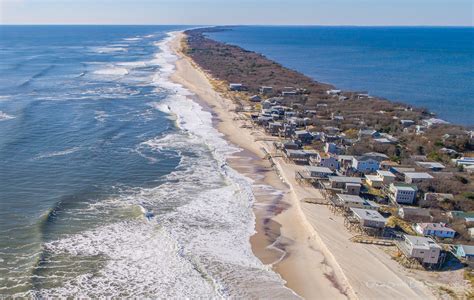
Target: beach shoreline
<point>319,259</point>
<point>280,232</point>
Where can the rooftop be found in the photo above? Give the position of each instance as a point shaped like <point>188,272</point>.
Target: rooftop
<point>345,179</point>
<point>373,178</point>
<point>319,169</point>
<point>356,199</point>
<point>350,198</point>
<point>418,175</point>
<point>415,211</point>
<point>385,173</point>
<point>435,226</point>
<point>403,170</point>
<point>345,157</point>
<point>404,187</point>
<point>468,250</point>
<point>422,242</point>
<point>375,154</point>
<point>430,165</point>
<point>367,214</point>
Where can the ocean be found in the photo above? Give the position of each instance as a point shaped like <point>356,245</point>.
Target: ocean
<point>113,182</point>
<point>431,67</point>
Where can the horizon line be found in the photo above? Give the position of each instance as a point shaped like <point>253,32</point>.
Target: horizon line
<point>232,25</point>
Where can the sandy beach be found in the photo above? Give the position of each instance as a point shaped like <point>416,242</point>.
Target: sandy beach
<point>305,243</point>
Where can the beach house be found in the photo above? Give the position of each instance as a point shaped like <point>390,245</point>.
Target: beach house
<point>332,148</point>
<point>255,98</point>
<point>430,165</point>
<point>333,92</point>
<point>414,214</point>
<point>433,121</point>
<point>289,91</point>
<point>318,172</point>
<point>464,161</point>
<point>304,136</point>
<point>365,164</point>
<point>345,161</point>
<point>465,253</point>
<point>265,90</point>
<point>274,128</point>
<point>407,123</point>
<point>417,177</point>
<point>345,185</point>
<point>324,160</point>
<point>429,198</point>
<point>354,201</point>
<point>368,133</point>
<point>386,176</point>
<point>374,181</point>
<point>300,156</point>
<point>369,217</point>
<point>423,249</point>
<point>341,181</point>
<point>402,193</point>
<point>462,216</point>
<point>236,87</point>
<point>434,229</point>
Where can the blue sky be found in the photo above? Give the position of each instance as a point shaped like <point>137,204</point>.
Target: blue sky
<point>207,12</point>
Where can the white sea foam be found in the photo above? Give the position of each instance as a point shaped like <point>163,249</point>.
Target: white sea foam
<point>133,64</point>
<point>108,49</point>
<point>100,115</point>
<point>197,245</point>
<point>112,71</point>
<point>58,153</point>
<point>5,116</point>
<point>142,263</point>
<point>133,39</point>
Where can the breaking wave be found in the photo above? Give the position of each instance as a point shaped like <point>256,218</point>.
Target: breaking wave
<point>5,116</point>
<point>195,245</point>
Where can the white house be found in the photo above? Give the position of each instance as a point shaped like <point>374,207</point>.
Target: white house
<point>434,121</point>
<point>353,201</point>
<point>333,92</point>
<point>345,161</point>
<point>369,217</point>
<point>424,249</point>
<point>325,160</point>
<point>318,172</point>
<point>434,229</point>
<point>402,193</point>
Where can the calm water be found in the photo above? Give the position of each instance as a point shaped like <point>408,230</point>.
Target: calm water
<point>428,67</point>
<point>112,181</point>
